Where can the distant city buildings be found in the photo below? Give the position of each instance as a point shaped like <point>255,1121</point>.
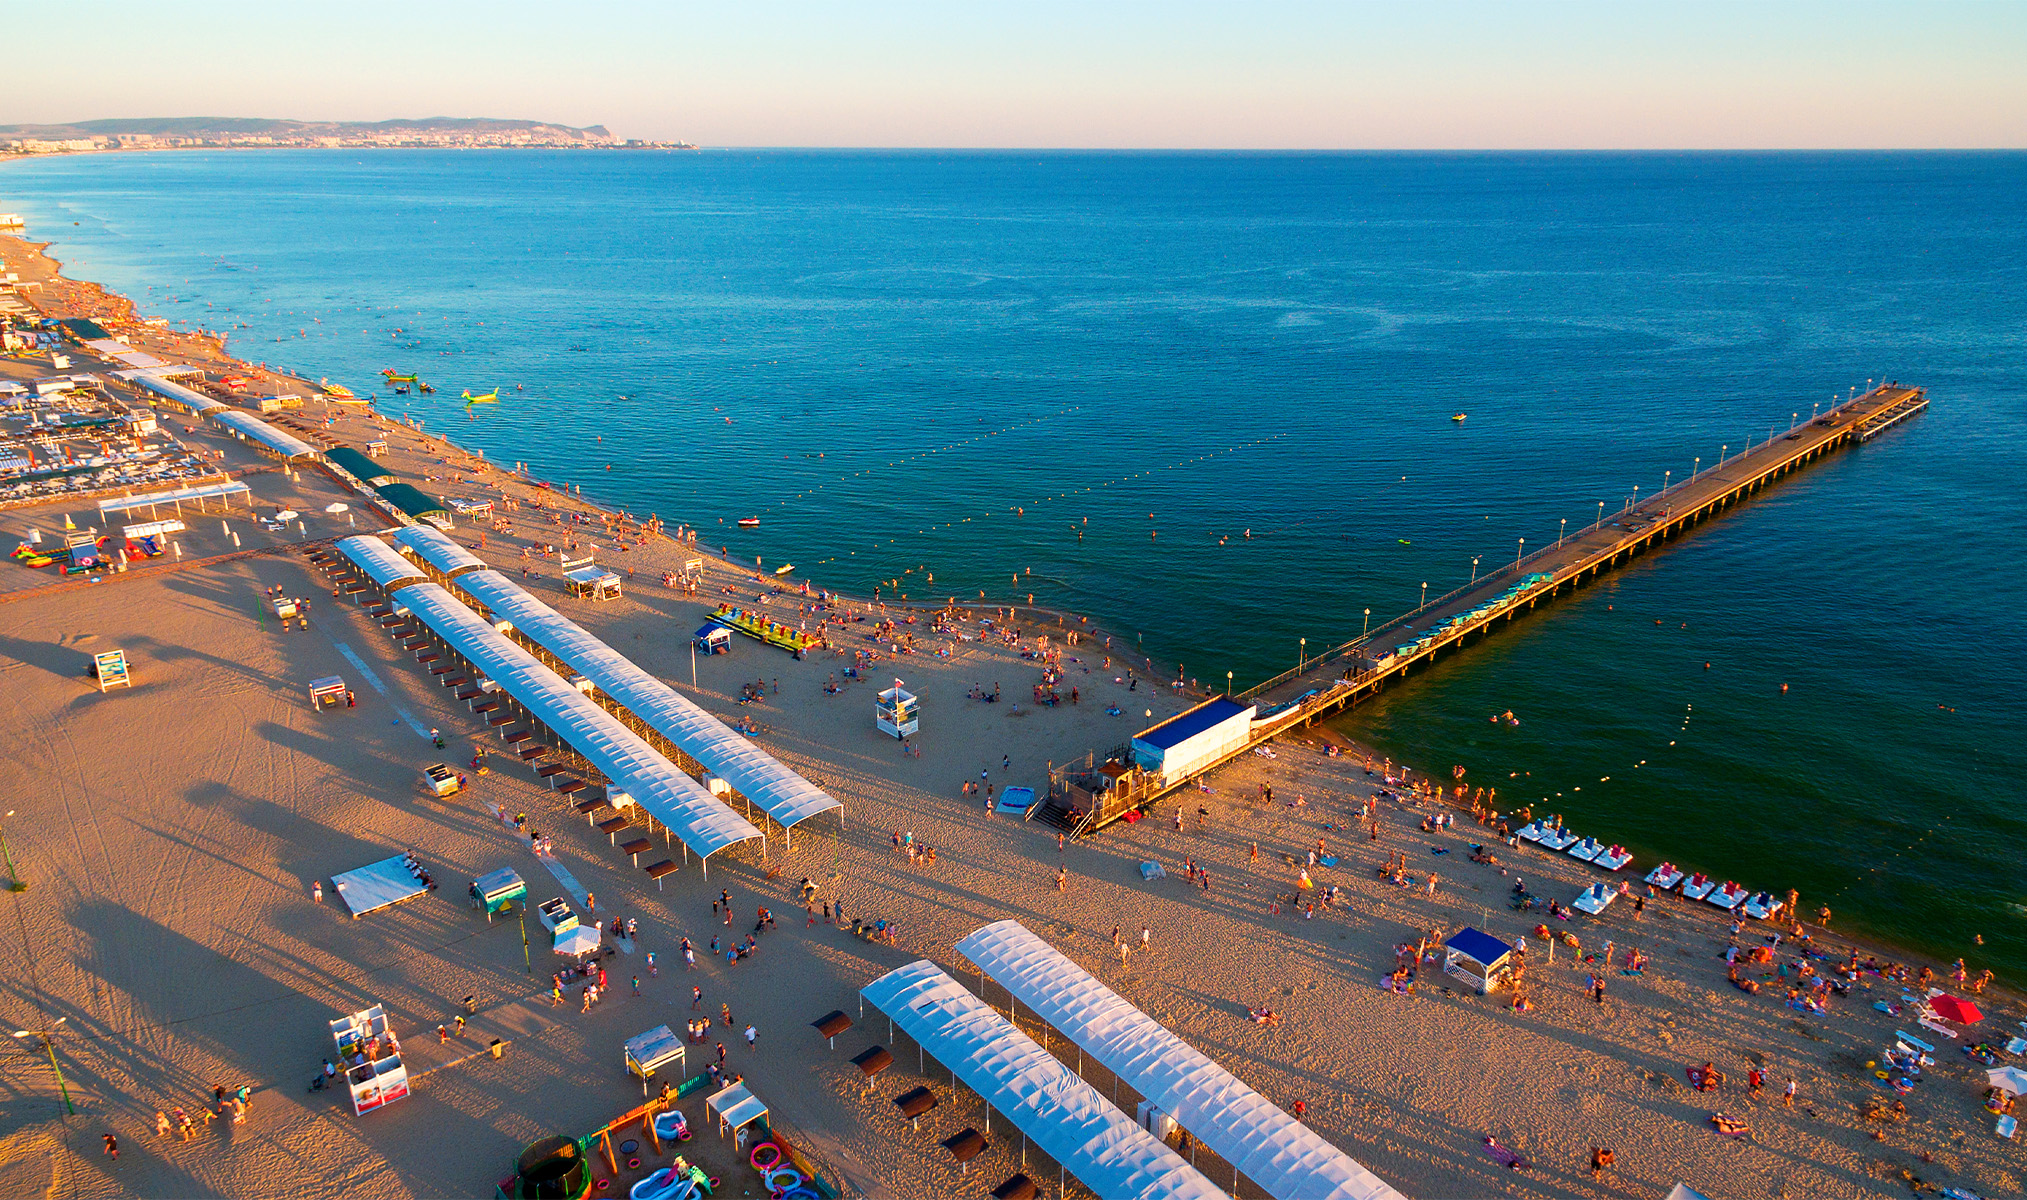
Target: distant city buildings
<point>458,135</point>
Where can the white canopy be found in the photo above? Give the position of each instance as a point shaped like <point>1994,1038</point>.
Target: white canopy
<point>576,940</point>
<point>679,802</point>
<point>755,774</point>
<point>736,1105</point>
<point>248,426</point>
<point>436,549</point>
<point>209,491</point>
<point>1286,1158</point>
<point>382,565</point>
<point>1067,1118</point>
<point>154,379</point>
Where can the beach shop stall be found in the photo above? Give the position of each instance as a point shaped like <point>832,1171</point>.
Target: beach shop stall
<point>713,639</point>
<point>372,1059</point>
<point>1192,740</point>
<point>897,712</point>
<point>327,691</point>
<point>652,1051</point>
<point>1479,959</point>
<point>498,891</point>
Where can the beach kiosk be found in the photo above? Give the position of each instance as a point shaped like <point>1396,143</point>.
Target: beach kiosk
<point>1479,959</point>
<point>498,892</point>
<point>713,639</point>
<point>371,1058</point>
<point>896,712</point>
<point>649,1052</point>
<point>734,1108</point>
<point>327,691</point>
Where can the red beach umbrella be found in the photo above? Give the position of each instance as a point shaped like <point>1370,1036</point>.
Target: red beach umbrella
<point>1954,1008</point>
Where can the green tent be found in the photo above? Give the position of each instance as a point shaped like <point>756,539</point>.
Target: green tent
<point>414,503</point>
<point>360,467</point>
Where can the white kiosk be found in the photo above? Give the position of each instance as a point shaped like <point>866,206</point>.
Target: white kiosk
<point>896,712</point>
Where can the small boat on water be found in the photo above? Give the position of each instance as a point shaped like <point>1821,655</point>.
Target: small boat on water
<point>784,568</point>
<point>1697,886</point>
<point>1457,417</point>
<point>1586,849</point>
<point>426,389</point>
<point>401,389</point>
<point>749,522</point>
<point>1612,858</point>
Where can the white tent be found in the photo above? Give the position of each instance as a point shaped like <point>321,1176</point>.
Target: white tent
<point>253,429</point>
<point>735,1107</point>
<point>222,492</point>
<point>1070,1120</point>
<point>156,380</point>
<point>1283,1156</point>
<point>381,564</point>
<point>679,802</point>
<point>755,774</point>
<point>437,550</point>
<point>1683,1191</point>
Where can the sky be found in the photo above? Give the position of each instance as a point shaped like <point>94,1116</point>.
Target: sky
<point>1412,74</point>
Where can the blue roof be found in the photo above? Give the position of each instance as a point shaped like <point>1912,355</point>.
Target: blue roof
<point>1481,947</point>
<point>1177,730</point>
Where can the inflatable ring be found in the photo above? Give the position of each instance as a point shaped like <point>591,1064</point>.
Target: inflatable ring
<point>765,1167</point>
<point>601,1185</point>
<point>771,1179</point>
<point>633,1164</point>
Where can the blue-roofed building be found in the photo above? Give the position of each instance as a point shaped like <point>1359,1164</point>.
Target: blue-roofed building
<point>1192,740</point>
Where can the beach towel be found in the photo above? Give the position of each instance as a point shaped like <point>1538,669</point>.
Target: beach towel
<point>1152,870</point>
<point>1504,1156</point>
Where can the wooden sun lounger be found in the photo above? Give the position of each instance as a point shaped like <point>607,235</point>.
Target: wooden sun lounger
<point>499,719</point>
<point>550,769</point>
<point>570,786</point>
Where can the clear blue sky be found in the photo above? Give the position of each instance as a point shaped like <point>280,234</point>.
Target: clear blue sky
<point>1039,73</point>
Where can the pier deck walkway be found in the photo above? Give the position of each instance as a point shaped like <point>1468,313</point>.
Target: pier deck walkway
<point>1340,677</point>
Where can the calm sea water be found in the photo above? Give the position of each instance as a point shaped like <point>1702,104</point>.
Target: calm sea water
<point>1073,375</point>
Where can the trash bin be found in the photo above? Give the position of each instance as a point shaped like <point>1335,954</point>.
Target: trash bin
<point>471,1005</point>
<point>498,1047</point>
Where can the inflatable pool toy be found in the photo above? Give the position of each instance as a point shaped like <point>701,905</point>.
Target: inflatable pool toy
<point>665,1184</point>
<point>672,1124</point>
<point>773,1157</point>
<point>774,1180</point>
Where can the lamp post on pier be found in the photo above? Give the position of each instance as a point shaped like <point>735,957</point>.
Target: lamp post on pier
<point>1520,552</point>
<point>1794,419</point>
<point>1664,479</point>
<point>1560,530</point>
<point>1721,451</point>
<point>1813,409</point>
<point>1694,468</point>
<point>1601,514</point>
<point>1425,596</point>
<point>1228,683</point>
<point>1474,567</point>
<point>1367,627</point>
<point>1301,653</point>
<point>1635,501</point>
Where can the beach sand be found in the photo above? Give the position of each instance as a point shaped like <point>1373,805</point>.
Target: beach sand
<point>170,834</point>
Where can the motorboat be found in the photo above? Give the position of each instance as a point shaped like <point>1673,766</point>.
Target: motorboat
<point>749,522</point>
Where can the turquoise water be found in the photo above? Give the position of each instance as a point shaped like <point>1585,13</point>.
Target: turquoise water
<point>885,355</point>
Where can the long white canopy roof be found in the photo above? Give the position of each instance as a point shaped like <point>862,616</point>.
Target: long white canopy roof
<point>175,393</point>
<point>209,491</point>
<point>671,797</point>
<point>755,774</point>
<point>1286,1158</point>
<point>288,445</point>
<point>434,548</point>
<point>381,564</point>
<point>1068,1118</point>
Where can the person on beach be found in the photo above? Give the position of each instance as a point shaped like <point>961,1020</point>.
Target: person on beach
<point>112,1147</point>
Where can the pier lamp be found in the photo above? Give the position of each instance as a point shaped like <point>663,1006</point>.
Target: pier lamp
<point>1694,468</point>
<point>1301,653</point>
<point>1474,567</point>
<point>1813,409</point>
<point>1794,419</point>
<point>1228,683</point>
<point>1601,513</point>
<point>1520,552</point>
<point>48,1037</point>
<point>1721,453</point>
<point>1560,530</point>
<point>1367,628</point>
<point>1635,501</point>
<point>1664,479</point>
<point>1425,595</point>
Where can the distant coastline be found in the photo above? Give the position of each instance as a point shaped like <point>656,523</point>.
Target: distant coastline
<point>254,133</point>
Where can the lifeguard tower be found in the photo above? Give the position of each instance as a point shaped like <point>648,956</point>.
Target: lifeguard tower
<point>897,712</point>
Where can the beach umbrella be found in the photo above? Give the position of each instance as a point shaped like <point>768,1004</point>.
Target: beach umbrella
<point>1955,1008</point>
<point>579,941</point>
<point>2009,1079</point>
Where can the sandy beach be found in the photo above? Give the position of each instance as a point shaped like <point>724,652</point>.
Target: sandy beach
<point>171,834</point>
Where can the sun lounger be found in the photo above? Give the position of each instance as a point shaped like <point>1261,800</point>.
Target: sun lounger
<point>1613,858</point>
<point>1595,899</point>
<point>1914,1041</point>
<point>1697,886</point>
<point>1945,1030</point>
<point>2006,1125</point>
<point>1665,876</point>
<point>1728,897</point>
<point>1586,849</point>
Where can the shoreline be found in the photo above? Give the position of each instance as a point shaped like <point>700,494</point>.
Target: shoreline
<point>216,343</point>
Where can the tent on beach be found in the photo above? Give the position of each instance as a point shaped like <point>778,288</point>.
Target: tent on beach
<point>1479,959</point>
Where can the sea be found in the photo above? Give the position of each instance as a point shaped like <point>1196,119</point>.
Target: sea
<point>1207,400</point>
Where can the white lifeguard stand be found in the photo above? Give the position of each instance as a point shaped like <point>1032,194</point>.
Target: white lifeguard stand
<point>896,712</point>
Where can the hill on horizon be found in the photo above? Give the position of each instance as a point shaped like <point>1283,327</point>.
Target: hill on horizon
<point>262,126</point>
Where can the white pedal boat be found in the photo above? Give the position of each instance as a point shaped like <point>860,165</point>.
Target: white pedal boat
<point>1613,858</point>
<point>1728,897</point>
<point>1531,832</point>
<point>1586,849</point>
<point>1665,876</point>
<point>1697,886</point>
<point>1761,906</point>
<point>1595,898</point>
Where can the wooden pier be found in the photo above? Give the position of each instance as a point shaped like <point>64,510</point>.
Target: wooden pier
<point>1337,679</point>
